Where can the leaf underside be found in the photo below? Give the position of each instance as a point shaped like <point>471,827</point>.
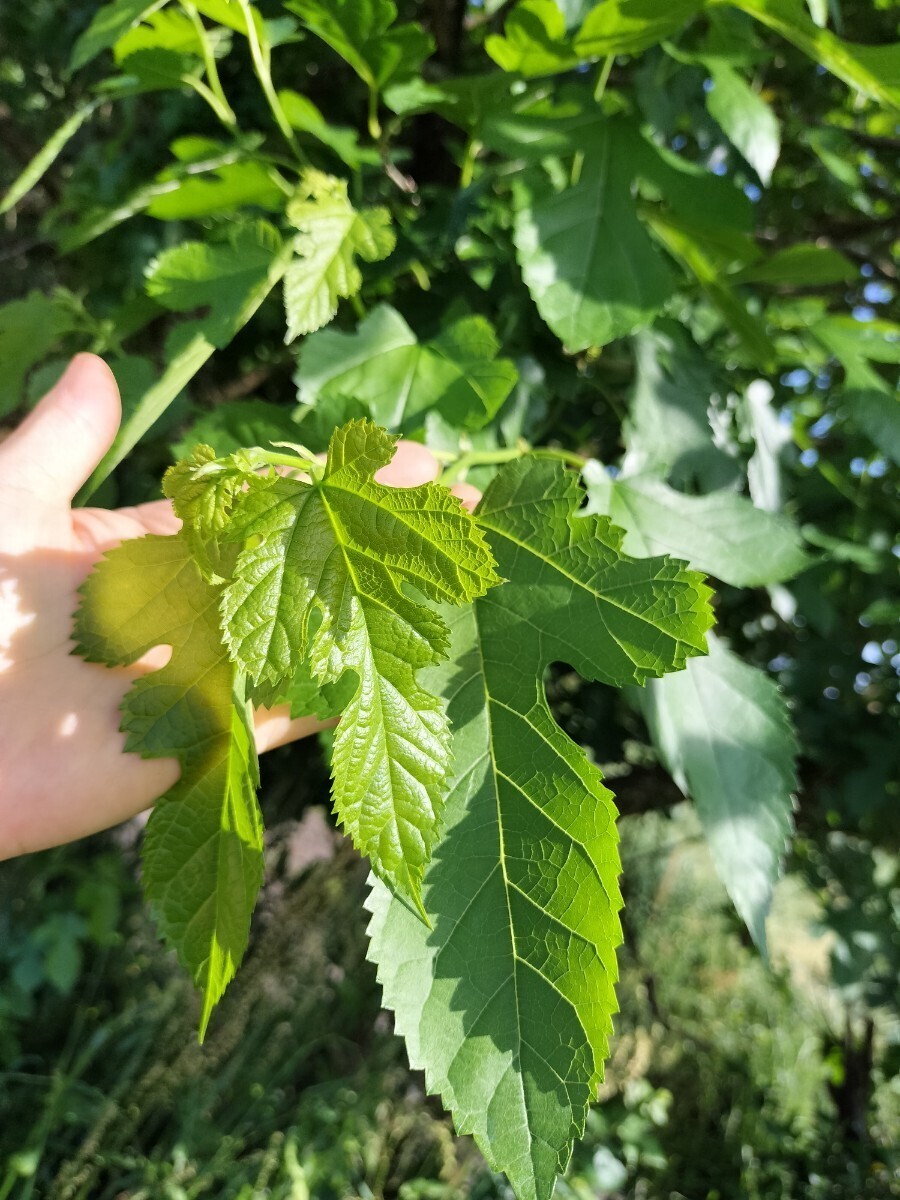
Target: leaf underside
<point>203,848</point>
<point>322,581</point>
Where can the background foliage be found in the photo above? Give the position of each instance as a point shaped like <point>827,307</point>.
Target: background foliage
<point>748,324</point>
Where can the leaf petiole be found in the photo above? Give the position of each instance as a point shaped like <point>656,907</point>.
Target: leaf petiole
<point>458,467</point>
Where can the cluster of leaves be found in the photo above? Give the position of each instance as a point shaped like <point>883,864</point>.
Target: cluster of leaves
<point>620,267</point>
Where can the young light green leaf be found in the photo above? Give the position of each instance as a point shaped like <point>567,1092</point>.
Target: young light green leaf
<point>332,235</point>
<point>873,70</point>
<point>110,22</point>
<point>229,187</point>
<point>590,266</point>
<point>400,379</point>
<point>725,735</point>
<point>720,533</point>
<point>322,579</point>
<point>507,1002</point>
<point>534,40</point>
<point>746,120</point>
<point>363,33</point>
<point>46,156</point>
<point>631,26</point>
<point>203,850</point>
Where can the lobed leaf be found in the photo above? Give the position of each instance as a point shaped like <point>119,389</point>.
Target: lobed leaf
<point>591,268</point>
<point>400,380</point>
<point>363,33</point>
<point>332,235</point>
<point>507,1002</point>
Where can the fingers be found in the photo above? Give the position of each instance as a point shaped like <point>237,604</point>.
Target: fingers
<point>466,494</point>
<point>57,446</point>
<point>274,727</point>
<point>411,465</point>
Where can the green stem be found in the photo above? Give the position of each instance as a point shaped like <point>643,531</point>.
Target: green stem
<point>209,62</point>
<point>374,123</point>
<point>264,75</point>
<point>467,170</point>
<point>225,115</point>
<point>457,469</point>
<point>302,460</point>
<point>603,77</point>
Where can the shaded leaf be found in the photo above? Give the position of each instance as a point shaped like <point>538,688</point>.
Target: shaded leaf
<point>363,33</point>
<point>668,430</point>
<point>400,380</point>
<point>720,533</point>
<point>873,70</point>
<point>203,849</point>
<point>724,733</point>
<point>590,266</point>
<point>746,120</point>
<point>802,265</point>
<point>230,280</point>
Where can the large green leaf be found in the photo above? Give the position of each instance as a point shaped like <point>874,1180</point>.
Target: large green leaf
<point>507,1002</point>
<point>363,33</point>
<point>873,70</point>
<point>591,267</point>
<point>332,235</point>
<point>746,120</point>
<point>400,379</point>
<point>725,735</point>
<point>203,850</point>
<point>323,578</point>
<point>720,533</point>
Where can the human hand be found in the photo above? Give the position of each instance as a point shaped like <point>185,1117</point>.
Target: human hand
<point>64,772</point>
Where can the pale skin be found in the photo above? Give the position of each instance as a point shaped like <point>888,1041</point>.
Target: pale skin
<point>64,773</point>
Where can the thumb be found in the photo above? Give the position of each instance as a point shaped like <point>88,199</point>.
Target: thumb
<point>58,445</point>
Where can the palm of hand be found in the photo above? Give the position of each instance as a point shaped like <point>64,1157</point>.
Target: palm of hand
<point>63,772</point>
